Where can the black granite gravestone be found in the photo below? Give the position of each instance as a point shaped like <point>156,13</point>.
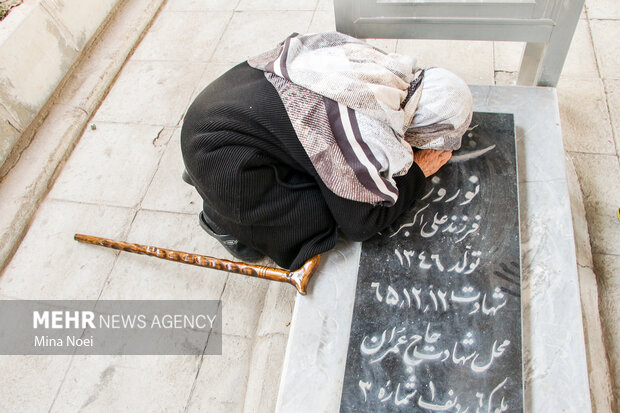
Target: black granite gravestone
<point>437,318</point>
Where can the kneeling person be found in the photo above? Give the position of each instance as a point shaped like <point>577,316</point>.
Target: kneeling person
<point>286,154</point>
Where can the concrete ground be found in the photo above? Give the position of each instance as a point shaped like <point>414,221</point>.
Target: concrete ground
<point>123,181</point>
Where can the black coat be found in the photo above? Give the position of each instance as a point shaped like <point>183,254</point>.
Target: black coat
<point>258,184</point>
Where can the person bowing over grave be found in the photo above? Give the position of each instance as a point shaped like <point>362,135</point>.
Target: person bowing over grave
<point>324,134</point>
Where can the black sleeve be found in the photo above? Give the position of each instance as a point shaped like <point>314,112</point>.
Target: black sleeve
<point>359,221</point>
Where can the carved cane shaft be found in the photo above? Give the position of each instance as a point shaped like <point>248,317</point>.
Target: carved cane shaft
<point>299,278</point>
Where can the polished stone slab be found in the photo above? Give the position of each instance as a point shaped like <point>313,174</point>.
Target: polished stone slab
<point>316,352</point>
<point>437,313</point>
<point>555,371</point>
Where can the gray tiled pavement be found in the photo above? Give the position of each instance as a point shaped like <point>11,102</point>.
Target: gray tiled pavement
<point>123,181</point>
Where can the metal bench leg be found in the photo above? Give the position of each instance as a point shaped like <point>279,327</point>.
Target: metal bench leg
<point>542,63</point>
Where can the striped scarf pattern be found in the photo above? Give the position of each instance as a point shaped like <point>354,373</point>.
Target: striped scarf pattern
<point>353,108</point>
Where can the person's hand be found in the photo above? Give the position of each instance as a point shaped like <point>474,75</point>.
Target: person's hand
<point>430,160</point>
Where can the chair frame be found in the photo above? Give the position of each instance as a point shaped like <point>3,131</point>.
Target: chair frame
<point>547,26</point>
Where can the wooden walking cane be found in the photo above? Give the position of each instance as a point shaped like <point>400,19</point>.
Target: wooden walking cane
<point>299,278</point>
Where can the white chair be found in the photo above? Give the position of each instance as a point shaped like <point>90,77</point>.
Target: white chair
<point>546,25</point>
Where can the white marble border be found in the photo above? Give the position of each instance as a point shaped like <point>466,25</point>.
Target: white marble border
<point>554,358</point>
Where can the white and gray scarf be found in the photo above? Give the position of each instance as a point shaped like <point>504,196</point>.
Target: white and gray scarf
<point>358,111</point>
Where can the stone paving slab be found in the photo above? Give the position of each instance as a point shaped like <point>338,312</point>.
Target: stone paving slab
<point>223,392</point>
<point>164,87</point>
<point>580,60</point>
<point>322,21</point>
<point>586,127</point>
<point>242,303</point>
<point>598,369</point>
<point>265,28</point>
<point>277,310</point>
<point>166,192</point>
<point>612,87</point>
<point>507,56</point>
<point>267,355</point>
<point>607,51</point>
<point>187,36</point>
<point>200,5</point>
<point>31,383</point>
<point>146,278</point>
<point>309,5</point>
<point>87,85</point>
<point>540,160</point>
<point>117,384</point>
<point>325,5</point>
<point>506,78</point>
<point>609,268</point>
<point>601,196</point>
<point>50,265</point>
<point>603,9</point>
<point>127,157</point>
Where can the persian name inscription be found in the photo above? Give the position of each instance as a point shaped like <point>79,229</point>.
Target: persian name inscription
<point>437,318</point>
